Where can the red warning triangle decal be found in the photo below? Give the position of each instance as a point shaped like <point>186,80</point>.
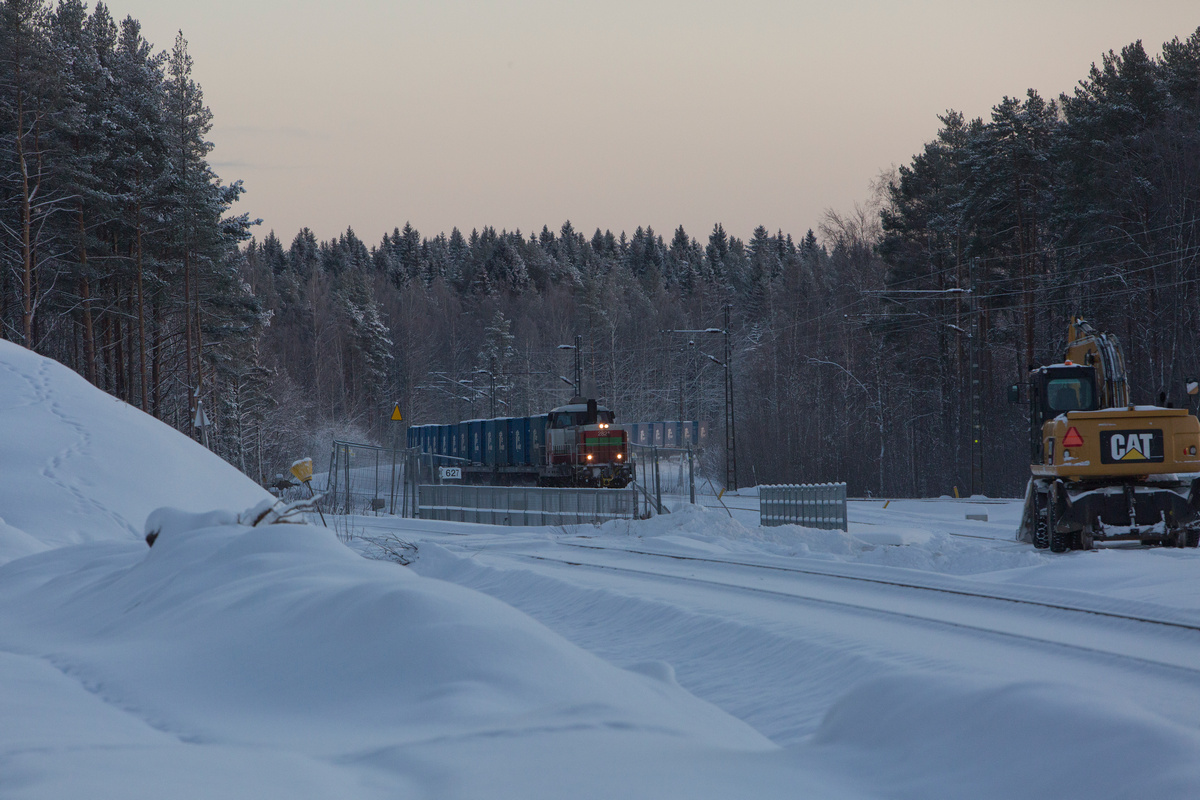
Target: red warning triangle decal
<point>1072,439</point>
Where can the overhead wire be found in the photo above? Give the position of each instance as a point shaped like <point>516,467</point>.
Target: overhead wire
<point>1042,252</point>
<point>837,313</point>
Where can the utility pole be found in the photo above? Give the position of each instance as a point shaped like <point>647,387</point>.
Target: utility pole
<point>578,365</point>
<point>730,430</point>
<point>682,366</point>
<point>975,355</point>
<point>730,426</point>
<point>578,348</point>
<point>976,375</point>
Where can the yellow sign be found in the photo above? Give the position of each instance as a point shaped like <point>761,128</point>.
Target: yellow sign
<point>302,469</point>
<point>396,414</point>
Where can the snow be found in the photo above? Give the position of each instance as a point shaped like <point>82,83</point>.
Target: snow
<point>691,655</point>
<point>370,653</point>
<point>82,466</point>
<point>1033,728</point>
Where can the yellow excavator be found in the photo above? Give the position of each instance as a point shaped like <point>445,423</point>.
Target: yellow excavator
<point>1103,468</point>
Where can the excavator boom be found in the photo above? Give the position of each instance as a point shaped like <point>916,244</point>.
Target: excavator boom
<point>1102,351</point>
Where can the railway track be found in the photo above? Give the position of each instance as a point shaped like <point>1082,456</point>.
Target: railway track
<point>1009,597</point>
<point>1132,651</point>
<point>964,592</point>
<point>1021,597</point>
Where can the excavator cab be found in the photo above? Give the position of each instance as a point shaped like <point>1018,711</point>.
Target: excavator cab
<point>1055,390</point>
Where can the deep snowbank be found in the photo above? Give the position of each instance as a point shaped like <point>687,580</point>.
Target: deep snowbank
<point>939,736</point>
<point>222,641</point>
<point>80,465</point>
<point>281,635</point>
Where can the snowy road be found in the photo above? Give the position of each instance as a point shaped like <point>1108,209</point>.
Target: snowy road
<point>774,636</point>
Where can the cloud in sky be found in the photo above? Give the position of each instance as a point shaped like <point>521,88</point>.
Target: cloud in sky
<point>613,115</point>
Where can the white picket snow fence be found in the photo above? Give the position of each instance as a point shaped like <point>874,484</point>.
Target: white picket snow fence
<point>813,505</point>
<point>520,505</point>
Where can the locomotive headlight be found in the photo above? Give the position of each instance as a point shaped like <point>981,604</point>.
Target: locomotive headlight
<point>619,456</point>
<point>589,456</point>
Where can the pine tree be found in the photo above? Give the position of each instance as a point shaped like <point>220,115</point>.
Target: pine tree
<point>140,159</point>
<point>765,267</point>
<point>189,179</point>
<point>28,87</point>
<point>1009,195</point>
<point>82,130</point>
<point>363,346</point>
<point>497,354</point>
<point>196,204</point>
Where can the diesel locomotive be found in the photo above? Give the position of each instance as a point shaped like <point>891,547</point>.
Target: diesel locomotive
<point>577,444</point>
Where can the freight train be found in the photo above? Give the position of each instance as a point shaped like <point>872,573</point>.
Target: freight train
<point>573,445</point>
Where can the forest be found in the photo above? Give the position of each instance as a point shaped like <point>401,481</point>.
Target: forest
<point>875,348</point>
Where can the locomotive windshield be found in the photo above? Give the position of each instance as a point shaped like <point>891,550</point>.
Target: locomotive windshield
<point>568,419</point>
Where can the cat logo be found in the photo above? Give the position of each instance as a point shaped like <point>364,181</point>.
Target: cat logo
<point>1122,447</point>
<point>1130,448</point>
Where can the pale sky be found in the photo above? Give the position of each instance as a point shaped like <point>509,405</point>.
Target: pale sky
<point>368,114</point>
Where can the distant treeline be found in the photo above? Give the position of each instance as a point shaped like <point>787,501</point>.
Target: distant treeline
<point>851,345</point>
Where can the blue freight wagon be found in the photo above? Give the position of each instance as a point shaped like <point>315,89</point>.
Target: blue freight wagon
<point>643,433</point>
<point>670,434</point>
<point>537,438</point>
<point>691,434</point>
<point>475,448</point>
<point>518,441</point>
<point>502,459</point>
<point>489,442</point>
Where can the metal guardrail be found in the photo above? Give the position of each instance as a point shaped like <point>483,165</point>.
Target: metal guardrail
<point>521,505</point>
<point>819,505</point>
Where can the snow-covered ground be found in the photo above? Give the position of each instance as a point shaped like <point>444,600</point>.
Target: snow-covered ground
<point>922,655</point>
